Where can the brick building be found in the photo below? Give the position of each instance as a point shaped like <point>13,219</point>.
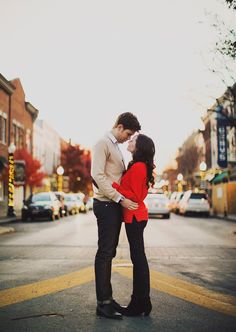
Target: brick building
<point>221,151</point>
<point>16,126</point>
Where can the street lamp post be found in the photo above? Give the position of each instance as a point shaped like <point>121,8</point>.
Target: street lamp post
<point>11,175</point>
<point>180,179</point>
<point>202,167</point>
<point>60,172</point>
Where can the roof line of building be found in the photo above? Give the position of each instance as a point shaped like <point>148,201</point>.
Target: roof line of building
<point>32,110</point>
<point>7,86</point>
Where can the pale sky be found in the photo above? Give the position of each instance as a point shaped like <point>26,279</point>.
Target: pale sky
<point>81,63</point>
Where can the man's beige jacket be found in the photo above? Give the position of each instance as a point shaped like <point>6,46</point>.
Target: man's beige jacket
<point>107,167</point>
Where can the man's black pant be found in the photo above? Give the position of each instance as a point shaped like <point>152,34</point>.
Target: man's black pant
<point>109,218</point>
<point>141,276</point>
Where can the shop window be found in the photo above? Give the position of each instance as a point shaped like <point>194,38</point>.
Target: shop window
<point>3,129</point>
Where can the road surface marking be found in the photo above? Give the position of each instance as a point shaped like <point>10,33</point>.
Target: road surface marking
<point>5,230</point>
<point>45,287</point>
<point>187,291</point>
<point>165,283</point>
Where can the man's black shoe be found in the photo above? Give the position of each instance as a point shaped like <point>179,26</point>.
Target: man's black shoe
<point>108,311</point>
<point>118,307</point>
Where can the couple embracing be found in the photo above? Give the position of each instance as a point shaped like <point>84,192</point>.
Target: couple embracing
<point>118,197</point>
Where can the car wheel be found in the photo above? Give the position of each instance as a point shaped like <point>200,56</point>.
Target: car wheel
<point>167,216</point>
<point>61,213</point>
<point>24,216</point>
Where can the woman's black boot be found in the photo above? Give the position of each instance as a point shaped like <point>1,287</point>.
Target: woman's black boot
<point>138,307</point>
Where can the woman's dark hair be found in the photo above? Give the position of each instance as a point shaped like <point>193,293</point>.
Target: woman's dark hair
<point>128,121</point>
<point>145,151</point>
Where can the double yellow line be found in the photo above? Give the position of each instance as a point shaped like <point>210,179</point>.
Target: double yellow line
<point>198,295</point>
<point>162,282</point>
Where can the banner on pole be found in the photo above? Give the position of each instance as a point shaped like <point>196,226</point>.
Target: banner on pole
<point>222,143</point>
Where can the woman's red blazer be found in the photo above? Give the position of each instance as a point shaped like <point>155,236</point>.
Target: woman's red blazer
<point>134,186</point>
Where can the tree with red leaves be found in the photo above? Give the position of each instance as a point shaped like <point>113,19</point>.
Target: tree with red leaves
<point>77,163</point>
<point>33,176</point>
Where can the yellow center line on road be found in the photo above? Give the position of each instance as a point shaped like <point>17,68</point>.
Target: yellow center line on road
<point>45,287</point>
<point>165,283</point>
<point>189,292</point>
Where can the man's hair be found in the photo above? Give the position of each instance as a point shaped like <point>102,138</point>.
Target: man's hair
<point>129,121</point>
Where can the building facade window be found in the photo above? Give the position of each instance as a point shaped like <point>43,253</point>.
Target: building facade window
<point>1,190</point>
<point>28,140</point>
<point>18,134</point>
<point>3,128</point>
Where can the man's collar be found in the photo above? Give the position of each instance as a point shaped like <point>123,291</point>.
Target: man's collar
<point>112,137</point>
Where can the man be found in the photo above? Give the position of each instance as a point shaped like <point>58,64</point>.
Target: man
<point>108,167</point>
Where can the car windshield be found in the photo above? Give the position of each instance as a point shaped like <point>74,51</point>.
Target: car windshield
<point>40,197</point>
<point>179,196</point>
<point>155,197</point>
<point>173,196</point>
<point>69,198</point>
<point>198,196</point>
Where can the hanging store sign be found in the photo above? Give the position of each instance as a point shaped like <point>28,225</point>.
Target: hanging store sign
<point>222,144</point>
<point>19,172</point>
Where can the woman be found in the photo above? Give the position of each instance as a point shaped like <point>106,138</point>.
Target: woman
<point>134,185</point>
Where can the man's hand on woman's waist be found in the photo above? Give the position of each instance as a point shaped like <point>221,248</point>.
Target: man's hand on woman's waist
<point>128,204</point>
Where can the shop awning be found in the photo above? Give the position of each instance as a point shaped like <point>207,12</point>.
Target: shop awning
<point>220,177</point>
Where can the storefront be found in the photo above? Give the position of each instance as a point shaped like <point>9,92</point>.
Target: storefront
<point>224,194</point>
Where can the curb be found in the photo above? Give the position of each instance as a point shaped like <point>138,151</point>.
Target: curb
<point>223,217</point>
<point>5,230</point>
<point>8,220</point>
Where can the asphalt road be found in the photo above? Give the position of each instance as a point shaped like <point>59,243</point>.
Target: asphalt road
<point>47,278</point>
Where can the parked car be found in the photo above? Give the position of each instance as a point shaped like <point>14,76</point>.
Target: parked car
<point>71,203</point>
<point>157,204</point>
<point>80,203</point>
<point>63,207</point>
<point>41,205</point>
<point>194,203</point>
<point>89,203</point>
<point>175,204</point>
<point>172,200</point>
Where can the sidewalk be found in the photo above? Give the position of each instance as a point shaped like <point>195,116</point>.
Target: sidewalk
<point>6,220</point>
<point>229,217</point>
